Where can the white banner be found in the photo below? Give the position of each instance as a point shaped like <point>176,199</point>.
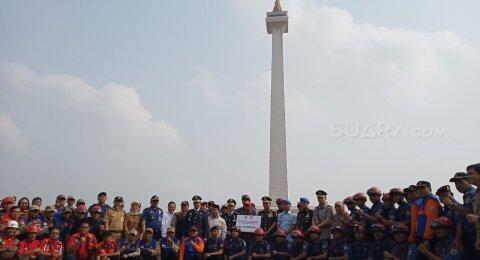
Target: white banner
<point>248,223</point>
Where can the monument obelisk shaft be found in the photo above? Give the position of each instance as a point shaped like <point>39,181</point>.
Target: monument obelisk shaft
<point>277,25</point>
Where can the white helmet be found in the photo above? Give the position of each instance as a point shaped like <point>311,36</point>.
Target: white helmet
<point>12,224</point>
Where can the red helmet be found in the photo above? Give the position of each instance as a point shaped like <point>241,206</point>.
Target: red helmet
<point>313,229</point>
<point>281,232</point>
<point>259,232</point>
<point>374,191</point>
<point>360,196</point>
<point>32,229</point>
<point>82,208</point>
<point>386,196</point>
<point>442,222</point>
<point>297,233</point>
<point>348,200</point>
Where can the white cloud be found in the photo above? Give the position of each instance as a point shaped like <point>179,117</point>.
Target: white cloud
<point>12,140</point>
<point>76,131</point>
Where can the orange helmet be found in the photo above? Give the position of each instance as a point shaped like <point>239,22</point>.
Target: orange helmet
<point>374,191</point>
<point>360,196</point>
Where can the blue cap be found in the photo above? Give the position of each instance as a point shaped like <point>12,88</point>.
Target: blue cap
<point>304,200</point>
<point>287,202</point>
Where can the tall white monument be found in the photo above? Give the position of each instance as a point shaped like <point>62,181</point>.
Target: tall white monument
<point>277,25</point>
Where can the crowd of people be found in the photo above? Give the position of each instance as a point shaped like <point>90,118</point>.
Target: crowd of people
<point>402,223</point>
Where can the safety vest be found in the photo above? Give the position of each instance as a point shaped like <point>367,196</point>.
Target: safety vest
<point>422,216</point>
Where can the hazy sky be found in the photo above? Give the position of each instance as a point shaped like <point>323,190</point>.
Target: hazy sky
<point>172,97</point>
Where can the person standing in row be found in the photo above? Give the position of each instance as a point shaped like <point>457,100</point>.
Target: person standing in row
<point>178,220</point>
<point>323,214</point>
<point>269,219</point>
<point>114,218</point>
<point>196,218</point>
<point>230,215</point>
<point>167,217</point>
<point>304,216</point>
<point>101,202</point>
<point>133,220</point>
<point>215,220</point>
<point>152,218</point>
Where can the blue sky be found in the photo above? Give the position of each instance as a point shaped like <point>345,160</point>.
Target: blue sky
<point>159,89</point>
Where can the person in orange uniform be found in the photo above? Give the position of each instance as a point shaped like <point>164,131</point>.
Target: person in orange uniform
<point>191,247</point>
<point>428,210</point>
<point>9,241</point>
<point>108,248</point>
<point>29,248</point>
<point>82,245</point>
<point>52,247</point>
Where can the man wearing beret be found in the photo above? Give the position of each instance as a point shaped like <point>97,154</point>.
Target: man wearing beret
<point>322,216</point>
<point>269,219</point>
<point>196,218</point>
<point>304,216</point>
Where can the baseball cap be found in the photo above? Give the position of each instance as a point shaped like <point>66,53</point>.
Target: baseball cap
<point>102,194</point>
<point>97,209</point>
<point>12,224</point>
<point>50,209</point>
<point>421,184</point>
<point>211,203</point>
<point>287,202</point>
<point>171,229</point>
<point>443,189</point>
<point>61,197</point>
<point>81,201</point>
<point>459,176</point>
<point>118,199</point>
<point>70,197</point>
<point>148,230</point>
<point>82,208</point>
<point>154,198</point>
<point>231,201</point>
<point>196,198</point>
<point>34,207</point>
<point>133,232</point>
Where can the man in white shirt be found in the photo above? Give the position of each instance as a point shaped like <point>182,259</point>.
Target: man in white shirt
<point>215,220</point>
<point>167,218</point>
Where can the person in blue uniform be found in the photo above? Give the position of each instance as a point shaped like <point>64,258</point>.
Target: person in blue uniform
<point>316,246</point>
<point>214,245</point>
<point>196,218</point>
<point>259,248</point>
<point>170,245</point>
<point>380,244</point>
<point>359,248</point>
<point>388,213</point>
<point>298,249</point>
<point>360,199</point>
<point>234,246</point>
<point>441,246</point>
<point>337,247</point>
<point>400,247</point>
<point>463,186</point>
<point>374,195</point>
<point>230,214</point>
<point>402,215</point>
<point>280,246</point>
<point>152,218</point>
<point>149,247</point>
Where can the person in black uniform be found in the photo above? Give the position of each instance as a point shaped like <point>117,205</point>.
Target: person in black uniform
<point>337,247</point>
<point>316,246</point>
<point>269,219</point>
<point>380,244</point>
<point>401,248</point>
<point>214,245</point>
<point>235,247</point>
<point>403,210</point>
<point>280,246</point>
<point>230,215</point>
<point>359,248</point>
<point>196,218</point>
<point>304,216</point>
<point>259,248</point>
<point>299,248</point>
